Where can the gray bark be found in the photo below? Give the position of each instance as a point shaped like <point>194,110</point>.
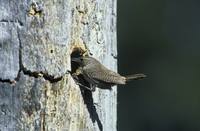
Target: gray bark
<point>36,40</point>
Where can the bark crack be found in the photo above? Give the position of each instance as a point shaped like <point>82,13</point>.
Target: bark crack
<point>12,21</point>
<point>114,55</point>
<point>43,114</point>
<point>7,81</point>
<point>35,74</point>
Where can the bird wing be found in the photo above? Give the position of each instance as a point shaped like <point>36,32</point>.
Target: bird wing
<point>102,74</point>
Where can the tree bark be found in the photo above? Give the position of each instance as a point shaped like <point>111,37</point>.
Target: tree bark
<point>36,40</point>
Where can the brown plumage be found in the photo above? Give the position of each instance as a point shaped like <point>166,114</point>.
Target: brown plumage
<point>97,74</point>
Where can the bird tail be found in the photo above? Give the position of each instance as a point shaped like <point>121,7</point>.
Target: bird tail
<point>135,77</point>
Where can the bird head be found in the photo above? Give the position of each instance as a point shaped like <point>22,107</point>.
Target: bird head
<point>83,61</point>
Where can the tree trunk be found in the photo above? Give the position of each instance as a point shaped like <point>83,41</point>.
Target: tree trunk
<point>36,40</point>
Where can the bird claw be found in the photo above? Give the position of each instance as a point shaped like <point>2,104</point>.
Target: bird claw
<point>92,89</point>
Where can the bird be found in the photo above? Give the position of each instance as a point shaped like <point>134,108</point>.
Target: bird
<point>100,76</point>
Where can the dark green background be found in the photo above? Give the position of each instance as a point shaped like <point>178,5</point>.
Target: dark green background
<point>160,38</point>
